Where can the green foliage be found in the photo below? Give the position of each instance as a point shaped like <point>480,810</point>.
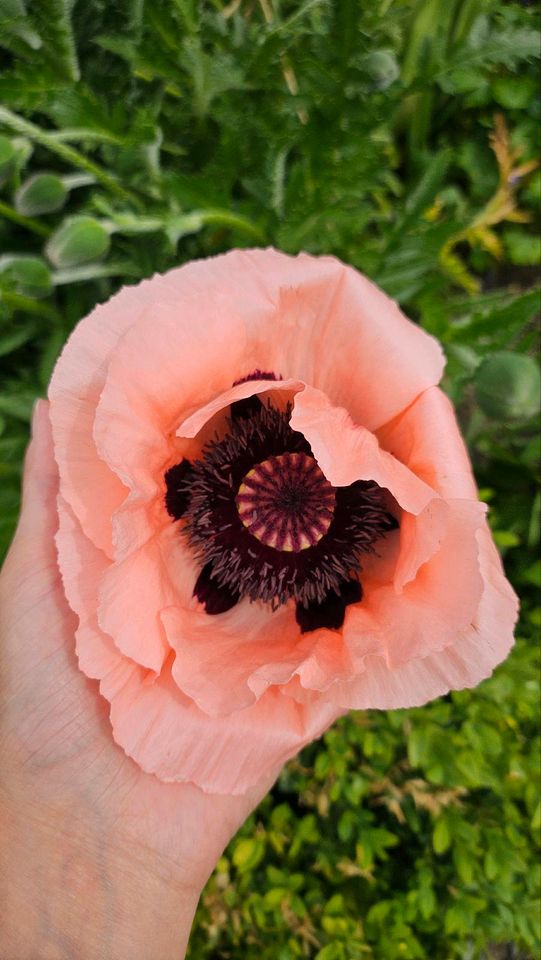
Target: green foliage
<point>508,385</point>
<point>135,136</point>
<point>407,834</point>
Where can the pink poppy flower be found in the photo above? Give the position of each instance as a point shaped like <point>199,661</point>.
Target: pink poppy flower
<point>267,515</point>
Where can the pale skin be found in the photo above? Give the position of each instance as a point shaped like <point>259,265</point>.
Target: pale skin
<point>98,860</point>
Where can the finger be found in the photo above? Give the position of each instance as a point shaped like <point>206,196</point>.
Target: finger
<point>32,602</point>
<point>40,479</point>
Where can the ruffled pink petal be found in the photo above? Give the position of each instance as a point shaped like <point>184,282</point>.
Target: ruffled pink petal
<point>86,482</point>
<point>112,600</point>
<point>194,423</point>
<point>333,659</point>
<point>224,664</point>
<point>421,537</point>
<point>79,377</point>
<point>470,658</point>
<point>168,735</point>
<point>137,520</point>
<point>82,566</point>
<point>156,373</point>
<point>335,329</point>
<point>426,437</point>
<point>442,600</point>
<point>131,595</point>
<point>347,452</point>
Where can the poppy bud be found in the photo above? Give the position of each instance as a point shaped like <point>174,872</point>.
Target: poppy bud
<point>29,276</point>
<point>508,386</point>
<point>41,193</point>
<point>78,240</point>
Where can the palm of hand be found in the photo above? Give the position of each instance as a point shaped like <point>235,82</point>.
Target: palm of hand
<point>55,739</point>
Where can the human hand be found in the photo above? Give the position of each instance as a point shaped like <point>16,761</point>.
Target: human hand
<point>99,860</point>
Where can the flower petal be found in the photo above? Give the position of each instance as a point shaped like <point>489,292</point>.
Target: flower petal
<point>426,437</point>
<point>443,598</point>
<point>195,422</point>
<point>335,329</point>
<point>168,735</point>
<point>154,377</point>
<point>249,645</point>
<point>421,537</point>
<point>131,594</point>
<point>82,566</point>
<point>347,452</point>
<point>466,661</point>
<point>86,482</point>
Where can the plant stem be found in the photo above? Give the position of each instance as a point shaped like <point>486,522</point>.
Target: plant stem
<point>34,225</point>
<point>28,305</point>
<point>14,122</point>
<point>224,218</point>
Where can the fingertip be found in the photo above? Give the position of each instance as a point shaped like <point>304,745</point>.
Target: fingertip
<point>40,471</point>
<point>40,422</point>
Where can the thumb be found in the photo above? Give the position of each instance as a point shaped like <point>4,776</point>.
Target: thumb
<point>33,544</point>
<point>40,480</point>
<point>32,603</point>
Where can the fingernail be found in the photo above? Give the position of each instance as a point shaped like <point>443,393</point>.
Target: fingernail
<point>36,412</point>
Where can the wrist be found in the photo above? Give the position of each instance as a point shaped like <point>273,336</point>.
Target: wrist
<point>68,888</point>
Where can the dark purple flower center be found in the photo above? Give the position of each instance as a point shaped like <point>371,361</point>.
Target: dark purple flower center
<point>266,524</point>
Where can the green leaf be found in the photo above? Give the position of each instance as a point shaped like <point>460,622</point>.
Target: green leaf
<point>514,92</point>
<point>248,853</point>
<point>497,322</point>
<point>332,951</point>
<point>423,194</point>
<point>441,837</point>
<point>524,249</point>
<point>427,902</point>
<point>464,863</point>
<point>14,20</point>
<point>53,19</point>
<point>12,341</point>
<point>19,405</point>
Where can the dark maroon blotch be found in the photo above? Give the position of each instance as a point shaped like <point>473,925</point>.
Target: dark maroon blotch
<point>331,611</point>
<point>177,496</point>
<point>215,598</point>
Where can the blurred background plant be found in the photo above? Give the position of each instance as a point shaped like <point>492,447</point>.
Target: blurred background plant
<point>402,136</point>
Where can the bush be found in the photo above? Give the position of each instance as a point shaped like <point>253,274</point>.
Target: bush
<point>402,138</point>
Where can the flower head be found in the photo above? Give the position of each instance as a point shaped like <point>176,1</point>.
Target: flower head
<point>266,515</point>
